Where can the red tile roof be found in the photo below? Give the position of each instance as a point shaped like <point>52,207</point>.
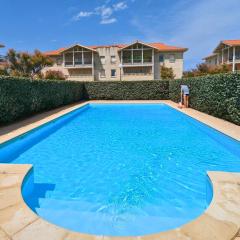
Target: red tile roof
<point>54,52</point>
<point>160,46</point>
<point>232,42</point>
<point>165,48</point>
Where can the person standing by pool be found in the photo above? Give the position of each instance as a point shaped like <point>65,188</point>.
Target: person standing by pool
<point>185,95</point>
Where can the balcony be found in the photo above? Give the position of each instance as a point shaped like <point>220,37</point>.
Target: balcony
<point>77,59</point>
<point>137,57</point>
<point>226,56</point>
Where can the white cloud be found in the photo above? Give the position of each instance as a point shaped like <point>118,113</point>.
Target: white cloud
<point>106,12</point>
<point>120,6</point>
<point>108,20</point>
<point>82,15</point>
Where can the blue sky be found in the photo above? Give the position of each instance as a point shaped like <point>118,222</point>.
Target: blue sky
<point>50,24</point>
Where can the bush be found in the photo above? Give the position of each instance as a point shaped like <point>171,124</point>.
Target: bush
<point>167,73</point>
<point>217,95</point>
<point>204,69</point>
<point>127,90</point>
<point>54,75</point>
<point>4,72</point>
<point>21,97</point>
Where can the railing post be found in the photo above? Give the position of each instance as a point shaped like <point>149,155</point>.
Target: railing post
<point>73,58</point>
<point>153,63</point>
<point>93,66</point>
<point>132,56</point>
<point>228,55</point>
<point>222,55</point>
<point>82,57</point>
<point>234,58</point>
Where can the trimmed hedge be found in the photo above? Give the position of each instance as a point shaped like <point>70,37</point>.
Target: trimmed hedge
<point>217,95</point>
<point>21,97</point>
<point>127,90</point>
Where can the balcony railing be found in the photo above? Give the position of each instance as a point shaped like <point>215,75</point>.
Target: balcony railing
<point>78,64</point>
<point>137,63</point>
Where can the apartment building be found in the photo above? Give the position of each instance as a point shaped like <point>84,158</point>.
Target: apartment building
<point>227,52</point>
<point>136,61</point>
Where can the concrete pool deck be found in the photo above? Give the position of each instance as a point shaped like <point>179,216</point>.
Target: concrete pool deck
<point>221,221</point>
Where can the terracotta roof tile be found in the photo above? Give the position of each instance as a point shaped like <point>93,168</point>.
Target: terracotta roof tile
<point>54,52</point>
<point>164,47</point>
<point>160,46</point>
<point>232,42</point>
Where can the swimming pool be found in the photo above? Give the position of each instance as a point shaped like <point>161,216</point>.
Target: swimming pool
<point>121,169</point>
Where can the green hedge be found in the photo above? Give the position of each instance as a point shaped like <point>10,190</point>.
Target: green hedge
<point>217,95</point>
<point>127,90</point>
<point>21,97</point>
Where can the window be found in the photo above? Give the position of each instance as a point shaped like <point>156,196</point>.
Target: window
<point>113,59</point>
<point>237,53</point>
<point>113,73</point>
<point>147,56</point>
<point>137,56</point>
<point>161,58</point>
<point>87,57</point>
<point>138,71</point>
<point>68,59</point>
<point>127,56</point>
<point>102,59</point>
<point>102,73</point>
<point>59,61</point>
<point>78,58</point>
<point>172,58</point>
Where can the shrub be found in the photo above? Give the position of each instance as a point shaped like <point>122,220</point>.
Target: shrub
<point>204,69</point>
<point>54,75</point>
<point>217,95</point>
<point>127,90</point>
<point>21,97</point>
<point>24,64</point>
<point>167,73</point>
<point>3,72</point>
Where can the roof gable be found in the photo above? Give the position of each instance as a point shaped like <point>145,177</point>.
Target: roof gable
<point>157,46</point>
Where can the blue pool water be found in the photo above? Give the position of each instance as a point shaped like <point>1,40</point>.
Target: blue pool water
<point>121,169</point>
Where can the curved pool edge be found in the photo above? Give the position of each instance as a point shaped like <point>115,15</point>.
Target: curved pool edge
<point>221,220</point>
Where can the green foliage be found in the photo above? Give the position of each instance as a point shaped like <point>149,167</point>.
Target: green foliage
<point>21,97</point>
<point>127,90</point>
<point>54,75</point>
<point>3,72</point>
<point>167,73</point>
<point>217,95</point>
<point>204,69</point>
<point>23,64</point>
